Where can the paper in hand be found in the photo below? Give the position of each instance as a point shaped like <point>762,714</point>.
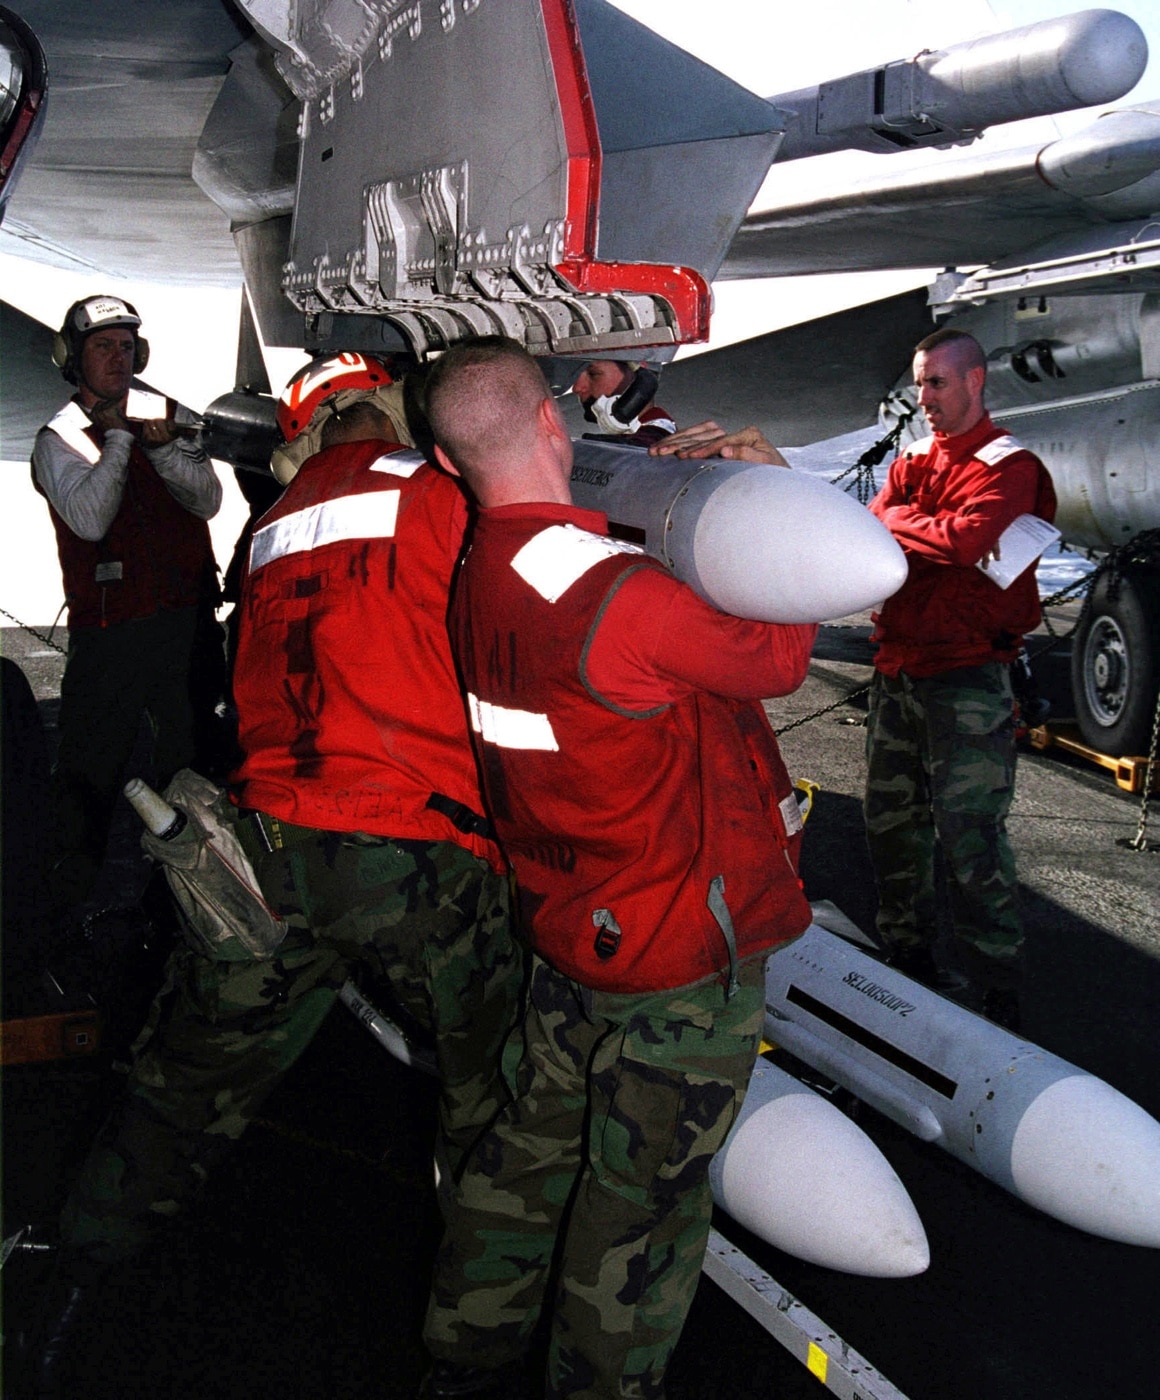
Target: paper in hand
<point>1022,542</point>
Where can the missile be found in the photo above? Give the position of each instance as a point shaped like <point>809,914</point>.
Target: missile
<point>1056,1137</point>
<point>804,1178</point>
<point>936,99</point>
<point>1117,151</point>
<point>240,428</point>
<point>794,1170</point>
<point>756,541</point>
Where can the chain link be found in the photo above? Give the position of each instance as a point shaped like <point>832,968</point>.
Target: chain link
<point>40,637</point>
<point>825,710</point>
<point>864,482</point>
<point>1139,841</point>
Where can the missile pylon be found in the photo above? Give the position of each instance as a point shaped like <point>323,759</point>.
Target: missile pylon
<point>800,1175</point>
<point>1056,1137</point>
<point>760,542</point>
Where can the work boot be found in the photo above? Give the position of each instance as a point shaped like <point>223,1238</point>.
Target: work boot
<point>447,1381</point>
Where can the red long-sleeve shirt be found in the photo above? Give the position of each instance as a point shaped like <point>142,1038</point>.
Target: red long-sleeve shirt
<point>946,501</point>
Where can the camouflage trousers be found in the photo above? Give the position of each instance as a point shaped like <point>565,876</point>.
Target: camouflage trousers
<point>427,917</point>
<point>594,1181</point>
<point>940,755</point>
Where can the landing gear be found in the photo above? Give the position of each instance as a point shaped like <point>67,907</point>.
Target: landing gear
<point>1115,662</point>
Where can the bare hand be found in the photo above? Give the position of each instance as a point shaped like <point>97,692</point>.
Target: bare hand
<point>156,432</point>
<point>110,413</point>
<point>709,439</point>
<point>991,555</point>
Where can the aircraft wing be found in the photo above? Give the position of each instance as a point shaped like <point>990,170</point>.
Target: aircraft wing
<point>30,384</point>
<point>805,382</point>
<point>109,187</point>
<point>171,123</point>
<point>963,211</point>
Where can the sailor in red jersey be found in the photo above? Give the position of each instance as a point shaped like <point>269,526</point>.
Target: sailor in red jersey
<point>638,790</point>
<point>360,812</point>
<point>357,777</point>
<point>941,737</point>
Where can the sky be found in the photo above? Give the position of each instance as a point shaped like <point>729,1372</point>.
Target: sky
<point>766,47</point>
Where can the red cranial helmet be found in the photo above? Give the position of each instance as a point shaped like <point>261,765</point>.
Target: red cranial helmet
<point>322,381</point>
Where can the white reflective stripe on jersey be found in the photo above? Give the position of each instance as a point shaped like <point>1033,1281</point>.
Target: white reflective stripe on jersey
<point>69,425</point>
<point>996,451</point>
<point>511,729</point>
<point>371,515</point>
<point>144,406</point>
<point>920,448</point>
<point>553,560</point>
<point>398,463</point>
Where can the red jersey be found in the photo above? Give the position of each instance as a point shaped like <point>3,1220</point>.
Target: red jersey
<point>946,501</point>
<point>350,714</point>
<point>648,816</point>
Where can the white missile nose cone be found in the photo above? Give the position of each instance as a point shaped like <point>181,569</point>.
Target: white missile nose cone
<point>802,1177</point>
<point>780,546</point>
<point>1103,55</point>
<point>1091,1157</point>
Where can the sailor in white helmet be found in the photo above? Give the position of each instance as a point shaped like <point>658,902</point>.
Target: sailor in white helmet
<point>129,492</point>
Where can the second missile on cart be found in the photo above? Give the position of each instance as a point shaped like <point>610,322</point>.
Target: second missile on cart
<point>794,1170</point>
<point>801,1176</point>
<point>1051,1134</point>
<point>756,541</point>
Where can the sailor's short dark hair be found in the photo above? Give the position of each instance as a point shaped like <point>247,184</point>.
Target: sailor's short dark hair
<point>968,348</point>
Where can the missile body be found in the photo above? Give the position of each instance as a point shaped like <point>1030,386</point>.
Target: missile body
<point>794,1170</point>
<point>1058,1138</point>
<point>1075,60</point>
<point>241,429</point>
<point>804,1178</point>
<point>756,541</point>
<point>1114,153</point>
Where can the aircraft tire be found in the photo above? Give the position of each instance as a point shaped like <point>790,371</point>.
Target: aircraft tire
<point>1115,665</point>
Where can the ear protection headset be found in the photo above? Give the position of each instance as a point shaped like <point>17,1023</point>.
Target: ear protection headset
<point>636,396</point>
<point>95,314</point>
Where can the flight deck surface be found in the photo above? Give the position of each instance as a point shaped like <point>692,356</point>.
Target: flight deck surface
<point>303,1271</point>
